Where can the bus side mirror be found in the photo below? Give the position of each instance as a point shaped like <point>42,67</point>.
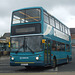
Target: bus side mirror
<point>43,40</point>
<point>9,44</point>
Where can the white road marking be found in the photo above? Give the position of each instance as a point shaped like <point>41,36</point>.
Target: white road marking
<point>53,69</point>
<point>4,58</point>
<point>4,64</point>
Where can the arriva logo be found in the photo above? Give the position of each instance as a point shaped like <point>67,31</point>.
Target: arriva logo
<point>24,57</point>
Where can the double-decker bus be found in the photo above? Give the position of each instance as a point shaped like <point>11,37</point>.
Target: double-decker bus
<point>38,39</point>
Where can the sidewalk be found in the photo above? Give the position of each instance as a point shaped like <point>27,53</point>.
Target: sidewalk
<point>4,60</point>
<point>4,57</point>
<point>45,73</point>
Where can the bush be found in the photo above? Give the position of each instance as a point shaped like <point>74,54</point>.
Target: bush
<point>6,53</point>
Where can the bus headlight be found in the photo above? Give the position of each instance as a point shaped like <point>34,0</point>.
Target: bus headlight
<point>37,58</point>
<point>12,58</point>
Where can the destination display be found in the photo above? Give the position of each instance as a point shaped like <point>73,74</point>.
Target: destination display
<point>23,30</point>
<point>26,29</point>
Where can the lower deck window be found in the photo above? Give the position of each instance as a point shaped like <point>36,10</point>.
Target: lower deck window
<point>58,46</point>
<point>62,47</point>
<point>67,47</point>
<point>54,46</point>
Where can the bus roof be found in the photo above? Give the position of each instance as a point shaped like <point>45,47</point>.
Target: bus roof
<point>27,8</point>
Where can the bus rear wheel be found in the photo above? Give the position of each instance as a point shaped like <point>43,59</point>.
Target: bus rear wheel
<point>54,63</point>
<point>67,60</point>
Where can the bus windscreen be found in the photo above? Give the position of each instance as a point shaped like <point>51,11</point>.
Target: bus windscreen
<point>26,44</point>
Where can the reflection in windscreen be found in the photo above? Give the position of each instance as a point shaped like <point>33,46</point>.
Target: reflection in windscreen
<point>24,44</point>
<point>34,43</point>
<point>27,15</point>
<point>17,43</point>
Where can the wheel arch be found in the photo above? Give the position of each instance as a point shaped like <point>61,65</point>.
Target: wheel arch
<point>54,57</point>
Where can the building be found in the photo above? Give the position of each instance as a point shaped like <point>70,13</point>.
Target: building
<point>4,41</point>
<point>72,30</point>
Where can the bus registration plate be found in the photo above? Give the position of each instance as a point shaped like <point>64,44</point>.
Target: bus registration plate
<point>24,64</point>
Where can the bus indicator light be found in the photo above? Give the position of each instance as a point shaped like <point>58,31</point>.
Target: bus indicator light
<point>43,40</point>
<point>51,54</point>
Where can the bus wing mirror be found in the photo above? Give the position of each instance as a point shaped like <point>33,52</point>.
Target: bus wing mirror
<point>43,40</point>
<point>9,44</point>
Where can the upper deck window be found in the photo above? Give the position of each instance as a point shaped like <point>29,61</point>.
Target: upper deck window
<point>52,21</point>
<point>26,15</point>
<point>57,24</point>
<point>61,27</point>
<point>46,18</point>
<point>66,30</point>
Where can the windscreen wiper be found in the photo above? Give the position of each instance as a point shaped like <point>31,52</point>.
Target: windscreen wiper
<point>19,49</point>
<point>30,49</point>
<point>25,47</point>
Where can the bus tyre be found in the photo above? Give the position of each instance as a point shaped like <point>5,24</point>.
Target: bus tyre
<point>54,63</point>
<point>67,60</point>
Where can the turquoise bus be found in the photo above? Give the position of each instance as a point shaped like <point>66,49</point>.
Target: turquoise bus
<point>38,39</point>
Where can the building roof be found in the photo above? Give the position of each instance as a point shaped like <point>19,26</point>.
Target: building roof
<point>72,30</point>
<point>5,35</point>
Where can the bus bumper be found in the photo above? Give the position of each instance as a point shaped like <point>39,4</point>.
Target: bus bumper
<point>27,63</point>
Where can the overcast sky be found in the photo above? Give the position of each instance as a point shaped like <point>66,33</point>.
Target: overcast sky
<point>64,10</point>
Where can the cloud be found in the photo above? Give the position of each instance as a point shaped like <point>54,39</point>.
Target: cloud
<point>4,25</point>
<point>61,14</point>
<point>71,22</point>
<point>61,9</point>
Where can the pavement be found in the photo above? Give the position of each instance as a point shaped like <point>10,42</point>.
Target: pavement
<point>4,58</point>
<point>46,73</point>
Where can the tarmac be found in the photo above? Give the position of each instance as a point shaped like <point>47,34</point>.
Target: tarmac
<point>46,73</point>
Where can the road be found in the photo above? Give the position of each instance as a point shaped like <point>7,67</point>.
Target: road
<point>6,68</point>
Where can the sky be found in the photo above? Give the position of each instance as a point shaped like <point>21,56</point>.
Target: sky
<point>63,10</point>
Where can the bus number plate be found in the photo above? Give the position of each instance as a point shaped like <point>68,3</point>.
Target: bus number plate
<point>24,64</point>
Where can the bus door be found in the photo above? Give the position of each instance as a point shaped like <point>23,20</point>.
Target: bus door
<point>47,52</point>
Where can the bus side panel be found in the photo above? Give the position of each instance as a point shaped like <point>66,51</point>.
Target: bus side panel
<point>61,57</point>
